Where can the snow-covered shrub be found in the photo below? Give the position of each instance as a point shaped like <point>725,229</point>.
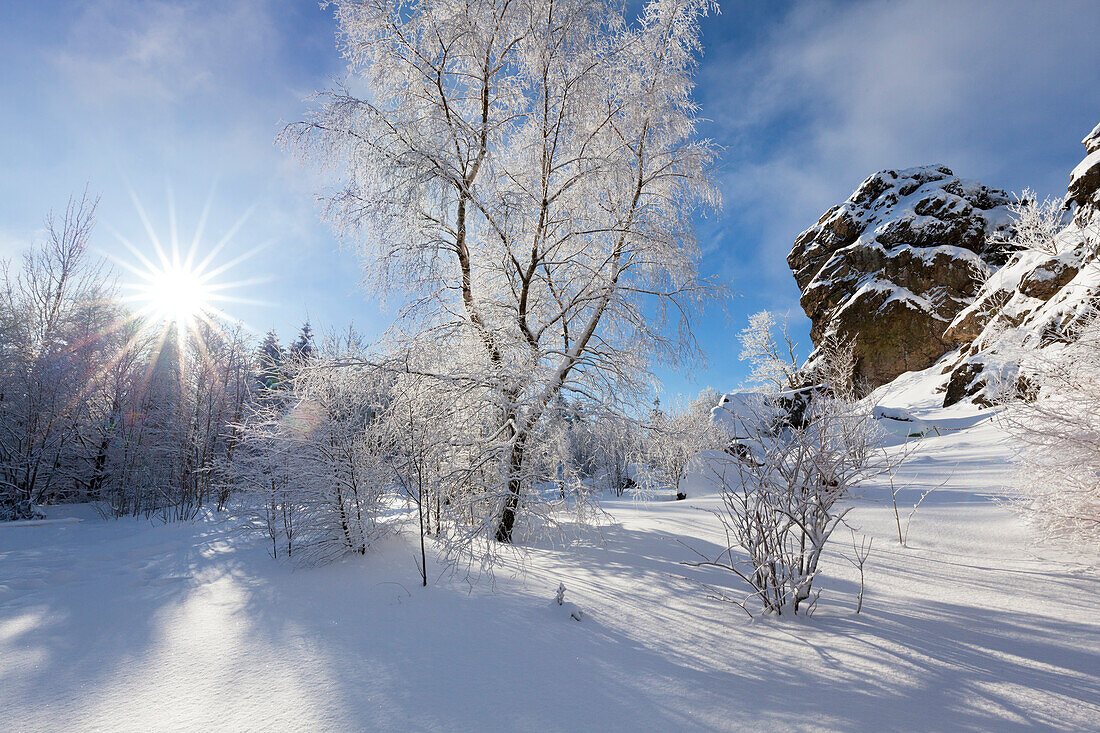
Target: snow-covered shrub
<point>1036,225</point>
<point>782,501</point>
<point>565,607</point>
<point>1058,424</point>
<point>315,463</point>
<point>783,491</point>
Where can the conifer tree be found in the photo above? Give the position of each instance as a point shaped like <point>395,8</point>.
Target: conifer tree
<point>302,349</point>
<point>270,360</point>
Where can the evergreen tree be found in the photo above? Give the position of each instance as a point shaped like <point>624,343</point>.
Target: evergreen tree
<point>302,349</point>
<point>270,361</point>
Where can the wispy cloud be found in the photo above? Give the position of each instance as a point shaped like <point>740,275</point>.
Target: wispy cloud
<point>162,51</point>
<point>836,92</point>
<point>12,244</point>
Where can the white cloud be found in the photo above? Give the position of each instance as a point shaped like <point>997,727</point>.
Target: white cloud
<point>998,91</point>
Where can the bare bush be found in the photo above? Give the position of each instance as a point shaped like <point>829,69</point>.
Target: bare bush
<point>797,458</point>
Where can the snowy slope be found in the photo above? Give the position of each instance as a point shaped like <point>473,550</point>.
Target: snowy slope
<point>124,625</point>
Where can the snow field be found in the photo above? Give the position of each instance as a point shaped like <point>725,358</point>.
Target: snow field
<point>125,625</point>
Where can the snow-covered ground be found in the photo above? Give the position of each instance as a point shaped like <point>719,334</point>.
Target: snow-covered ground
<point>125,625</point>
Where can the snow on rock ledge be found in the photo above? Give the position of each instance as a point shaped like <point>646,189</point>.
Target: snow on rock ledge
<point>1033,302</point>
<point>1084,181</point>
<point>894,265</point>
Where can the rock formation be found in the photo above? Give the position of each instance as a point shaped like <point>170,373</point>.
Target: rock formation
<point>895,264</point>
<point>1035,300</point>
<point>913,267</point>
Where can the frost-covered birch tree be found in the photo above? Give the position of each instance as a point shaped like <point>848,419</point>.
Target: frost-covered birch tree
<point>525,175</point>
<point>773,360</point>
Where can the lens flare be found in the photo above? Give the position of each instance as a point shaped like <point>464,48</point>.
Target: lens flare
<point>180,293</point>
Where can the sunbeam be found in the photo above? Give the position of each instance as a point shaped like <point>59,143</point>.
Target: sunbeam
<point>180,292</point>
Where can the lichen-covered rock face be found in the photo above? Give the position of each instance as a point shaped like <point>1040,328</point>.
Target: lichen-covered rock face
<point>895,264</point>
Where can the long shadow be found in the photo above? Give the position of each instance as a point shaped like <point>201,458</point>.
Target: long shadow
<point>967,662</point>
<point>94,601</point>
<point>373,650</point>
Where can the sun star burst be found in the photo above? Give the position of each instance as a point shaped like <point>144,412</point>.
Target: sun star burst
<point>176,294</point>
<point>174,291</point>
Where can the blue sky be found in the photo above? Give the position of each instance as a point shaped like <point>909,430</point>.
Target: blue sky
<point>179,103</point>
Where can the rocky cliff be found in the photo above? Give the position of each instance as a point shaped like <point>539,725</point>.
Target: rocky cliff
<point>923,269</point>
<point>1035,300</point>
<point>894,265</point>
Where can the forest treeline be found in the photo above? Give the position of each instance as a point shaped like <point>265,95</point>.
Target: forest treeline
<point>156,418</point>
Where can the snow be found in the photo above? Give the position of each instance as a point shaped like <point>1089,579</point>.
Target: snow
<point>901,422</point>
<point>1094,135</point>
<point>874,284</point>
<point>1091,161</point>
<point>736,407</point>
<point>129,625</point>
<point>41,522</point>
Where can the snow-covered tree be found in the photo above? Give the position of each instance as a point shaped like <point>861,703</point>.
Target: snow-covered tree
<point>315,461</point>
<point>675,438</point>
<point>55,322</point>
<point>270,362</point>
<point>1036,225</point>
<point>1057,422</point>
<point>530,173</point>
<point>769,348</point>
<point>615,444</point>
<point>303,347</point>
<point>177,442</point>
<point>426,459</point>
<point>97,403</point>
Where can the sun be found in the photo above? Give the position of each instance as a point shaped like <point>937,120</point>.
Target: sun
<point>176,291</point>
<point>177,294</point>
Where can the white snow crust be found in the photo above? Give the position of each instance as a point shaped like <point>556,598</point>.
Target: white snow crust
<point>124,625</point>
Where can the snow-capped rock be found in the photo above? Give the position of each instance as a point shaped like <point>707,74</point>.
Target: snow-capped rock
<point>894,265</point>
<point>909,267</point>
<point>901,422</point>
<point>1034,301</point>
<point>1084,181</point>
